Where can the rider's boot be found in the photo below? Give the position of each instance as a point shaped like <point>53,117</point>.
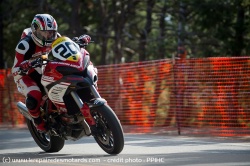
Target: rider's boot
<point>40,124</point>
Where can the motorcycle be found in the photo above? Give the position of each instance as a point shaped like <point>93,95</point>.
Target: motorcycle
<point>71,104</point>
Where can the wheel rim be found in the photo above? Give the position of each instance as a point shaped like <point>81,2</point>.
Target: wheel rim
<point>105,135</point>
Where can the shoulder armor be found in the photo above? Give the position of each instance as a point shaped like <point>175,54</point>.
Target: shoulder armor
<point>22,47</point>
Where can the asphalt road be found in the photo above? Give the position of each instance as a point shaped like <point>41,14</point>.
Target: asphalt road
<point>18,148</point>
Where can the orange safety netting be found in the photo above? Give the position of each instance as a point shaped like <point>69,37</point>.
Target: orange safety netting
<point>9,115</point>
<point>193,96</point>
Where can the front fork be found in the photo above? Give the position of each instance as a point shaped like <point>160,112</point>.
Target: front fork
<point>84,107</point>
<point>87,115</point>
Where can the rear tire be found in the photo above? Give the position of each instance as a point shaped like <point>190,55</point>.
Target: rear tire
<point>44,141</point>
<point>109,131</point>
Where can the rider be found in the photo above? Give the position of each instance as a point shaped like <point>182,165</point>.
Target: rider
<point>35,41</point>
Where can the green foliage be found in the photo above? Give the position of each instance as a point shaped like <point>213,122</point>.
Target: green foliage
<point>120,28</point>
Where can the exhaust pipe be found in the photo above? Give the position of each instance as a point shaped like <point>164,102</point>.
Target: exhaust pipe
<point>23,110</point>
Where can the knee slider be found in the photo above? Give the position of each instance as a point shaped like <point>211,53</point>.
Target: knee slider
<point>31,103</point>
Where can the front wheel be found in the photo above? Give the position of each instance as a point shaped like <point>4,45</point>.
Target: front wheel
<point>109,134</point>
<point>44,141</point>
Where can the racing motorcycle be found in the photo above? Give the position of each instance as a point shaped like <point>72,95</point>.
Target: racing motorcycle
<point>71,105</point>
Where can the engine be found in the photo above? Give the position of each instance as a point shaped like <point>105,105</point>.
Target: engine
<point>73,127</point>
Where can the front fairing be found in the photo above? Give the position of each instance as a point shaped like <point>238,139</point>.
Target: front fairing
<point>64,72</point>
<point>67,59</point>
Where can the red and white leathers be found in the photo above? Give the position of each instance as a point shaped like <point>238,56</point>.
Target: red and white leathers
<point>29,85</point>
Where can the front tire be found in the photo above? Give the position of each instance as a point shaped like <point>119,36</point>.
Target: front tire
<point>109,134</point>
<point>44,141</point>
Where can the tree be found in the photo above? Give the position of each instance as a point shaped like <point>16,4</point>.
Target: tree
<point>1,38</point>
<point>136,30</point>
<point>162,29</point>
<point>145,31</point>
<point>217,28</point>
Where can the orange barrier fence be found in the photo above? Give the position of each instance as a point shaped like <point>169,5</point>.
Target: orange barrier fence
<point>9,115</point>
<point>203,96</point>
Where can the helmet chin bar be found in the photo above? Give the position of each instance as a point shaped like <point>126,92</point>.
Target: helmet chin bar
<point>39,42</point>
<point>36,40</point>
<point>40,38</point>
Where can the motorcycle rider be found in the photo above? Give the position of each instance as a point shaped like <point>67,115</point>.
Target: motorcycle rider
<point>35,41</point>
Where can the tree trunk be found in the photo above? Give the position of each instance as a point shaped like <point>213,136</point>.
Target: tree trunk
<point>1,41</point>
<point>74,20</point>
<point>103,30</point>
<point>239,30</point>
<point>162,25</point>
<point>144,33</point>
<point>119,21</point>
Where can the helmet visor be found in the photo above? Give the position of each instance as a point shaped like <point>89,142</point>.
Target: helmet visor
<point>47,35</point>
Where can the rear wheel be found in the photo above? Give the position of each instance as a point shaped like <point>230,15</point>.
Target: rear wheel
<point>45,141</point>
<point>108,134</point>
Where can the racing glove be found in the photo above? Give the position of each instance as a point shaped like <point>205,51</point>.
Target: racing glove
<point>85,39</point>
<point>25,65</point>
